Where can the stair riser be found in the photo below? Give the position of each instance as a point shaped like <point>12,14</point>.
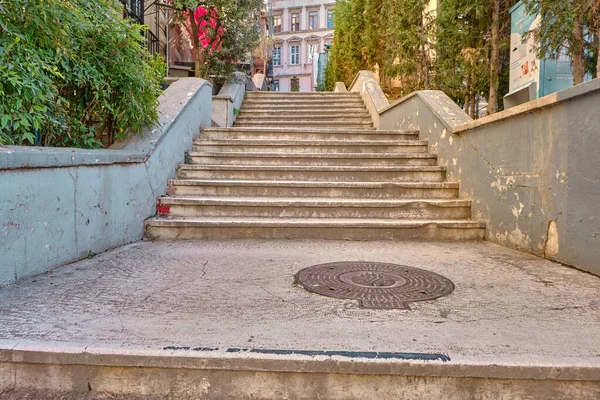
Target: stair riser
<point>409,212</point>
<point>428,232</point>
<point>249,135</point>
<point>302,109</point>
<point>336,176</point>
<point>291,114</point>
<point>277,191</point>
<point>277,118</point>
<point>208,160</point>
<point>277,104</point>
<point>302,98</point>
<point>324,149</point>
<point>310,95</point>
<point>304,124</point>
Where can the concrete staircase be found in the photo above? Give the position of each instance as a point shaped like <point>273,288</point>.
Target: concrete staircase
<point>311,165</point>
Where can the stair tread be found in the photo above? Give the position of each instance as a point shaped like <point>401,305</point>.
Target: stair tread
<point>311,222</point>
<point>310,155</point>
<point>350,168</point>
<point>307,201</point>
<point>309,130</point>
<point>315,143</point>
<point>288,183</point>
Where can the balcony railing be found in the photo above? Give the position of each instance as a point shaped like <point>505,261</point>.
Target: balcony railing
<point>135,10</point>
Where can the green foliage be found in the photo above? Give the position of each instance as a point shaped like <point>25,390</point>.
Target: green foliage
<point>410,45</point>
<point>74,73</point>
<point>346,57</point>
<point>408,35</point>
<point>568,26</point>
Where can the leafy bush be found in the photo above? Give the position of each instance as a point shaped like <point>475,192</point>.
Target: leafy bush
<point>73,73</point>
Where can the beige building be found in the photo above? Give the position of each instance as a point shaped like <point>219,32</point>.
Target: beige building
<point>301,30</point>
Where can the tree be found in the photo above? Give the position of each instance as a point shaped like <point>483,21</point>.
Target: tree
<point>346,57</point>
<point>565,26</point>
<point>408,37</point>
<point>472,43</point>
<point>223,32</point>
<point>494,58</point>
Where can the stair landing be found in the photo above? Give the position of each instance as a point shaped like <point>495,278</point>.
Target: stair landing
<point>223,318</point>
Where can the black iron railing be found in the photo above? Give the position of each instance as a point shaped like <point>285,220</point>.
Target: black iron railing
<point>136,10</point>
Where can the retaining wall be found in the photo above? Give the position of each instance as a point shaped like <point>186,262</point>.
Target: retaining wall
<point>58,205</point>
<point>533,171</point>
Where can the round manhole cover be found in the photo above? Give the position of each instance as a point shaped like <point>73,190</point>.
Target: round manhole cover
<point>373,284</point>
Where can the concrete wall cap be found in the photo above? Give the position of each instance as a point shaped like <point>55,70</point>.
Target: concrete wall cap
<point>447,111</point>
<point>134,149</point>
<point>340,87</point>
<point>538,104</point>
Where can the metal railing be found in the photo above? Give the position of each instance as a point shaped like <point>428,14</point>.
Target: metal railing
<point>135,10</point>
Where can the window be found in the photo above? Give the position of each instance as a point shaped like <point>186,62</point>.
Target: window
<point>330,24</point>
<point>313,20</point>
<point>295,54</point>
<point>312,49</point>
<point>295,83</point>
<point>277,23</point>
<point>275,85</point>
<point>295,21</point>
<point>277,56</point>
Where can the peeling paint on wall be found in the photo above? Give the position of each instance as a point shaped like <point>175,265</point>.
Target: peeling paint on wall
<point>552,241</point>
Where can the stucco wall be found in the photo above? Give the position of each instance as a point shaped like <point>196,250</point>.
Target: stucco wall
<point>59,205</point>
<point>533,171</point>
<point>228,103</point>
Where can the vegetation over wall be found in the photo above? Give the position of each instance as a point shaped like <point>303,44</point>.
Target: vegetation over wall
<point>73,73</point>
<point>463,48</point>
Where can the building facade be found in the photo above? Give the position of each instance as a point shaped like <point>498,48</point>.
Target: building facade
<point>155,15</point>
<point>301,30</point>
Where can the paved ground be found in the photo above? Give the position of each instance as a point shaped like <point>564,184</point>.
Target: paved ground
<point>508,307</point>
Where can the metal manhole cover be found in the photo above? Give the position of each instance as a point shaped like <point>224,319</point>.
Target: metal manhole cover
<point>375,285</point>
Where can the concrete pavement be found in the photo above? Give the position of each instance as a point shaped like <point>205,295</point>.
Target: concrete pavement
<point>509,311</point>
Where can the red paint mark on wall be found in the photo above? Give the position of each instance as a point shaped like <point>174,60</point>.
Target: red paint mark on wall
<point>162,210</point>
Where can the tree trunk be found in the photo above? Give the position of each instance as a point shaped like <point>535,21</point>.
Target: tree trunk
<point>197,50</point>
<point>472,112</point>
<point>494,59</point>
<point>577,50</point>
<point>198,61</point>
<point>468,95</point>
<point>425,54</point>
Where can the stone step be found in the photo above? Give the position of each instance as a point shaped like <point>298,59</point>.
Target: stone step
<point>367,124</point>
<point>314,173</point>
<point>313,208</point>
<point>281,188</point>
<point>57,370</point>
<point>304,102</point>
<point>311,95</point>
<point>311,146</point>
<point>158,228</point>
<point>306,133</point>
<point>303,114</point>
<point>308,108</point>
<point>316,119</point>
<point>312,159</point>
